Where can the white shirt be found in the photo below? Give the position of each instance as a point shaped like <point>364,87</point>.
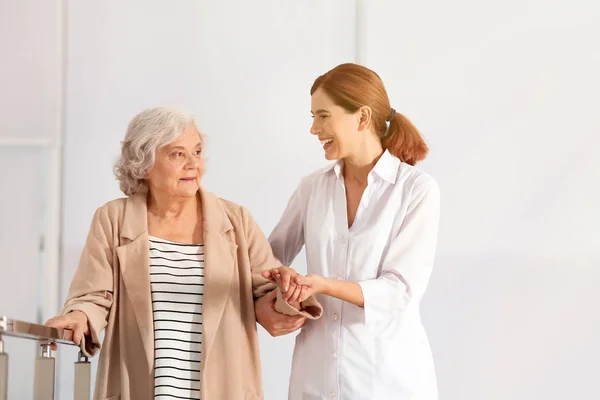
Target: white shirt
<point>380,351</point>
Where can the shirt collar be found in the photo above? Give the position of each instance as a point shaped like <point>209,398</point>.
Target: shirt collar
<point>386,168</point>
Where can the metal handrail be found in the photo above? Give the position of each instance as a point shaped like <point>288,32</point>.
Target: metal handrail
<point>44,364</point>
<point>27,330</point>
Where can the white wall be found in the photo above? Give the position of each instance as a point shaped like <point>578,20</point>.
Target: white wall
<point>21,221</point>
<point>505,92</point>
<point>243,68</point>
<point>507,95</point>
<point>30,110</point>
<point>30,68</point>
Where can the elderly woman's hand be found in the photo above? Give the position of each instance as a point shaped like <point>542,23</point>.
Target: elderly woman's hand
<point>275,323</point>
<point>75,321</point>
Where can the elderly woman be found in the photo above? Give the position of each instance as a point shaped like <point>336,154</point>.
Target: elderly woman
<point>171,273</point>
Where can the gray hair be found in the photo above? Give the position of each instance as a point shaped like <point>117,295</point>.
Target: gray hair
<point>147,131</point>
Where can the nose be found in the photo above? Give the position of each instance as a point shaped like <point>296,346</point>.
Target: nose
<point>191,162</point>
<point>314,129</point>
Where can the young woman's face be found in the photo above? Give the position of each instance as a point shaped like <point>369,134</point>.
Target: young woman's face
<point>336,128</point>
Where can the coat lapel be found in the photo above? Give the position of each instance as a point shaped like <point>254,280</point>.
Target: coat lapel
<point>220,261</point>
<point>134,260</point>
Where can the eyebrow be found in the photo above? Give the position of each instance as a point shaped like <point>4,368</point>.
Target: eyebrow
<point>183,148</point>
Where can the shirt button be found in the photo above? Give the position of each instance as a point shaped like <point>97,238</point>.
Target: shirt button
<point>332,395</point>
<point>335,317</point>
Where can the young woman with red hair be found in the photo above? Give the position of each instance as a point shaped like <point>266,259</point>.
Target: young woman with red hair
<point>369,223</point>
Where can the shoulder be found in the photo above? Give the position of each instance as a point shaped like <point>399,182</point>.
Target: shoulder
<point>238,215</point>
<point>415,180</point>
<point>115,205</point>
<point>418,188</point>
<point>315,179</point>
<point>113,210</point>
<point>321,173</point>
<point>231,208</point>
<point>108,218</point>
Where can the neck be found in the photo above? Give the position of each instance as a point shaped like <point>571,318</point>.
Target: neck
<point>358,166</point>
<point>169,207</point>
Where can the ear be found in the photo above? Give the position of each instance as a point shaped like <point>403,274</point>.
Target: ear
<point>364,118</point>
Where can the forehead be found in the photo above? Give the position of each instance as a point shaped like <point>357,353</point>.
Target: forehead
<point>190,137</point>
<point>321,101</point>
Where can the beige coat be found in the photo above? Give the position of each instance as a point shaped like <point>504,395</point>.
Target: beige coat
<point>112,287</point>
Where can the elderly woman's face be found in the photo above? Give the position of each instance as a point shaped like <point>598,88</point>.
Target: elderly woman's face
<point>178,167</point>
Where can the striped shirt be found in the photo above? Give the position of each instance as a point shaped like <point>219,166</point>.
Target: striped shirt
<point>177,285</point>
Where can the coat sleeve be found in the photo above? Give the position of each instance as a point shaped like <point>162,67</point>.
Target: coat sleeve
<point>262,259</point>
<point>91,290</point>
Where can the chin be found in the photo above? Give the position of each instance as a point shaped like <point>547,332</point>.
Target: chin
<point>331,156</point>
<point>189,193</point>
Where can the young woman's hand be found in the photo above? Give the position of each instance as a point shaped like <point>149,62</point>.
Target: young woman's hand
<point>295,287</point>
<point>310,285</point>
<point>284,277</point>
<point>287,280</point>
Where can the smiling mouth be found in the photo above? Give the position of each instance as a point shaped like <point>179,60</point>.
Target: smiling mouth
<point>326,141</point>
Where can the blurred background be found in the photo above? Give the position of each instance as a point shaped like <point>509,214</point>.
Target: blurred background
<point>507,94</point>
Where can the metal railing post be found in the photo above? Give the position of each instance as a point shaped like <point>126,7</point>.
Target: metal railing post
<point>43,381</point>
<point>3,372</point>
<point>81,378</point>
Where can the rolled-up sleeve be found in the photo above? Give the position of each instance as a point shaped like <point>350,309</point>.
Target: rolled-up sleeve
<point>262,259</point>
<point>407,265</point>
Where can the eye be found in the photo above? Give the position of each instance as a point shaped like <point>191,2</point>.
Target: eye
<point>198,152</point>
<point>323,116</point>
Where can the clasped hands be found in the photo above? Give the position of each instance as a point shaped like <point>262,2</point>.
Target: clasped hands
<point>295,287</point>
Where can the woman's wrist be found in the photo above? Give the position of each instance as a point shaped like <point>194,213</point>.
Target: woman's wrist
<point>328,286</point>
